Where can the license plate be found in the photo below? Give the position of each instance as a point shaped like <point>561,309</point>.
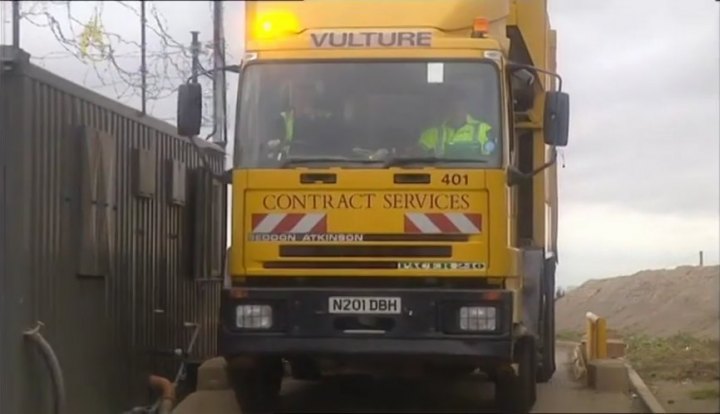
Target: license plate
<point>364,305</point>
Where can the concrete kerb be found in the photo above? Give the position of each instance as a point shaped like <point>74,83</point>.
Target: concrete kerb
<point>565,343</point>
<point>641,389</point>
<point>212,375</point>
<point>637,384</point>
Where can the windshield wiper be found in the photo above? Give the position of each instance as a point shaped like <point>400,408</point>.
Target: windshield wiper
<point>309,160</point>
<point>430,160</point>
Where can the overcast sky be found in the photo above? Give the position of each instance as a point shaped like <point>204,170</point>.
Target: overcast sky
<point>640,188</point>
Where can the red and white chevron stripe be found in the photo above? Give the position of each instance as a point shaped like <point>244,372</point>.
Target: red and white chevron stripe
<point>433,223</point>
<point>278,223</point>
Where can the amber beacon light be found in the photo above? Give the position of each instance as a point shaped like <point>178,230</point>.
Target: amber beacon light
<point>275,24</point>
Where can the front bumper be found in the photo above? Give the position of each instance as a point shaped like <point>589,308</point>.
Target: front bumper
<point>427,325</point>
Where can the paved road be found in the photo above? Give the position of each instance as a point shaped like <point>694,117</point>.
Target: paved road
<point>562,394</point>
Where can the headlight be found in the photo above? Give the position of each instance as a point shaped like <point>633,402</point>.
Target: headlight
<point>253,316</point>
<point>477,318</point>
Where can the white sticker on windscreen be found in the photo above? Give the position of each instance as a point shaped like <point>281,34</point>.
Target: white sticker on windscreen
<point>435,72</point>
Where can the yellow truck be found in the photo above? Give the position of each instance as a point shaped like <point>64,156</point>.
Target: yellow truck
<point>394,196</point>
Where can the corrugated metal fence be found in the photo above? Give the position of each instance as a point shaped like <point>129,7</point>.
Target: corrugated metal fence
<point>112,234</point>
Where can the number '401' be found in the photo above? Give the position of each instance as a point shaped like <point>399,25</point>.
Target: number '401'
<point>455,179</point>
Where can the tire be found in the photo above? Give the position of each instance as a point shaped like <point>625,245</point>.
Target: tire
<point>257,389</point>
<point>304,370</point>
<point>516,393</point>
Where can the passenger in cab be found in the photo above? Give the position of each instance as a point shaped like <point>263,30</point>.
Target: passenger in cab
<point>459,134</point>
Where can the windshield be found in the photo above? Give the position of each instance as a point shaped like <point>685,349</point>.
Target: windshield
<point>369,113</point>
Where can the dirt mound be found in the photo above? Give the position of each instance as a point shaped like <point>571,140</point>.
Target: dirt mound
<point>661,303</point>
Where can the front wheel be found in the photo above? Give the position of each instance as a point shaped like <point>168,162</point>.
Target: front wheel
<point>517,392</point>
<point>305,370</point>
<point>257,388</point>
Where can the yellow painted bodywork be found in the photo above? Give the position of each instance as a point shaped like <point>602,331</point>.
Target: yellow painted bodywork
<point>252,187</point>
<point>450,22</point>
<point>453,17</point>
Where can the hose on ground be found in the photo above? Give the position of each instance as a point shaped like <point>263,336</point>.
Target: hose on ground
<point>167,390</point>
<point>53,365</point>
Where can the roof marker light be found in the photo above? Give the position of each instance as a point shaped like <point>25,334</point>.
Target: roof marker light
<point>481,26</point>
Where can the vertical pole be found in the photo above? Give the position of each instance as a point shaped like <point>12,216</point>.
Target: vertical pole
<point>218,75</point>
<point>16,24</point>
<point>223,102</point>
<point>601,338</point>
<point>701,258</point>
<point>143,62</point>
<point>195,52</point>
<point>589,338</point>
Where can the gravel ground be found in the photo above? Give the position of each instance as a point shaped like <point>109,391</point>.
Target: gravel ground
<point>561,395</point>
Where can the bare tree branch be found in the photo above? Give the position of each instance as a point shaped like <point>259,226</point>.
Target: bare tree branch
<point>113,58</point>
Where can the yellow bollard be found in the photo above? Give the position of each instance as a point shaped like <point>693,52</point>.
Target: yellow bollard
<point>596,346</point>
<point>601,335</point>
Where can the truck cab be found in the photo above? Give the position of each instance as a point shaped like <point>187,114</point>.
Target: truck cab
<point>394,193</point>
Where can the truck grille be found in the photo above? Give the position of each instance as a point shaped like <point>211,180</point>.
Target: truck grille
<point>330,265</point>
<point>365,251</point>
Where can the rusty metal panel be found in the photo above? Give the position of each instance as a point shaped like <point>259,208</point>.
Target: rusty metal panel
<point>112,275</point>
<point>177,183</point>
<point>97,201</point>
<point>144,172</point>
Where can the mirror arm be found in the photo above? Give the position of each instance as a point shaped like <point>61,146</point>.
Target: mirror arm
<point>228,68</point>
<point>227,176</point>
<point>517,66</point>
<point>515,175</point>
<point>545,166</point>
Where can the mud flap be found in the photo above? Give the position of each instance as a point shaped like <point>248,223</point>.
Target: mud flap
<point>532,291</point>
<point>539,308</point>
<point>546,345</point>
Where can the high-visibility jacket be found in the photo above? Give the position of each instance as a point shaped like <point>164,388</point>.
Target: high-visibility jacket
<point>471,138</point>
<point>289,118</point>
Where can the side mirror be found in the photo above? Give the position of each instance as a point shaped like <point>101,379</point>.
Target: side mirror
<point>189,109</point>
<point>557,118</point>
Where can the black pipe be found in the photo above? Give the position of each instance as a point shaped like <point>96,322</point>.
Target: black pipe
<point>143,53</point>
<point>195,53</point>
<point>16,23</point>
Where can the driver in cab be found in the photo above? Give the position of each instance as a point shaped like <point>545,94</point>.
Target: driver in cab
<point>305,118</point>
